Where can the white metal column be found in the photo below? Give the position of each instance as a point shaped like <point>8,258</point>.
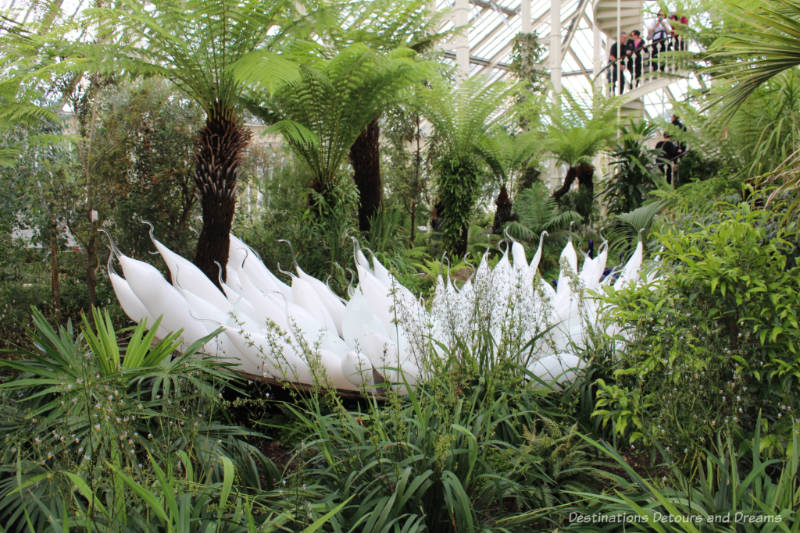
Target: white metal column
<point>555,44</point>
<point>525,16</point>
<point>461,19</point>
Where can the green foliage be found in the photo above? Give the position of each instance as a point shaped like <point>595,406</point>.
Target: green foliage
<point>473,449</point>
<point>537,211</point>
<point>633,169</point>
<point>755,140</point>
<point>463,119</point>
<point>727,492</point>
<point>144,165</point>
<point>81,411</point>
<point>406,173</point>
<point>576,134</point>
<point>194,44</point>
<point>458,182</point>
<point>526,60</point>
<point>711,344</point>
<point>764,45</point>
<point>322,112</point>
<point>382,24</point>
<point>282,207</point>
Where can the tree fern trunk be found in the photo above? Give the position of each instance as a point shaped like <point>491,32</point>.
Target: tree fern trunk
<point>503,213</point>
<point>218,152</point>
<point>366,160</point>
<point>586,178</point>
<point>568,179</point>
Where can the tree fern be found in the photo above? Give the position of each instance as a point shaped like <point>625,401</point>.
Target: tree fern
<point>576,134</point>
<point>324,109</point>
<point>197,44</point>
<point>466,151</point>
<point>537,211</point>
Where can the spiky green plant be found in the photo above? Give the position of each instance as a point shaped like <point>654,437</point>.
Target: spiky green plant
<point>87,404</point>
<point>729,491</point>
<point>472,449</point>
<point>764,45</point>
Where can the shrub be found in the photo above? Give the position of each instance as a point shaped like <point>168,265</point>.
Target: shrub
<point>713,342</point>
<point>727,492</point>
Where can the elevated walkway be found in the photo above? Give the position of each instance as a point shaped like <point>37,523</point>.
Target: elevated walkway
<point>661,62</point>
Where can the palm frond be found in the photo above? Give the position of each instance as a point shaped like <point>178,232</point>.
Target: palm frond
<point>325,103</point>
<point>194,43</point>
<point>765,45</point>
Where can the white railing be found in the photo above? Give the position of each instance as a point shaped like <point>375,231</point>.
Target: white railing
<point>656,60</point>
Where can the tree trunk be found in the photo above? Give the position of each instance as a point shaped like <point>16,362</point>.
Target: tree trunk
<point>218,153</point>
<point>416,187</point>
<point>503,212</point>
<point>92,263</point>
<point>583,173</point>
<point>365,158</point>
<point>568,179</point>
<point>463,243</point>
<point>586,178</point>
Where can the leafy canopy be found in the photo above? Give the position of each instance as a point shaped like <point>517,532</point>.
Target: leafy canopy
<point>194,43</point>
<point>764,44</point>
<point>321,111</point>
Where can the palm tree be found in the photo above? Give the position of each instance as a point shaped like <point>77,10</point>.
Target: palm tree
<point>383,25</point>
<point>574,137</point>
<point>322,111</point>
<point>196,44</point>
<point>464,119</point>
<point>764,44</point>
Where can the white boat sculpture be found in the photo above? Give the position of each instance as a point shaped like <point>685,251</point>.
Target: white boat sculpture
<point>303,332</point>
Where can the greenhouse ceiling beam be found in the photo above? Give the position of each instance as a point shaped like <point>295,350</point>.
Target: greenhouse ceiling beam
<point>494,60</point>
<point>585,71</point>
<point>488,36</point>
<point>574,24</point>
<point>535,24</point>
<point>491,5</point>
<point>480,61</point>
<point>579,72</point>
<point>572,21</point>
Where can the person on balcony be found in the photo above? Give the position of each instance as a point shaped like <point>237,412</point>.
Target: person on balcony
<point>659,35</point>
<point>616,61</point>
<point>684,24</point>
<point>635,47</point>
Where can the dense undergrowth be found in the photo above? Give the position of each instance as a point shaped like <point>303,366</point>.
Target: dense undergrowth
<point>684,416</point>
<point>108,431</point>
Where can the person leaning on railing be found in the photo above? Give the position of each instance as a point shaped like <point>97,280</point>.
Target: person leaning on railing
<point>659,34</point>
<point>616,61</point>
<point>635,48</point>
